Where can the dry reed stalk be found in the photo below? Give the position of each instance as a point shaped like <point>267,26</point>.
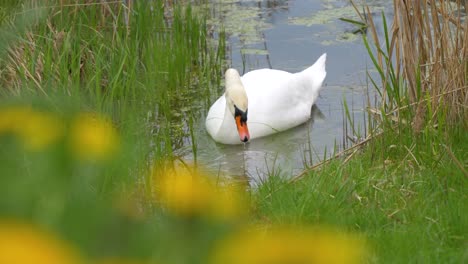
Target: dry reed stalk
<point>348,153</point>
<point>456,161</point>
<point>429,44</point>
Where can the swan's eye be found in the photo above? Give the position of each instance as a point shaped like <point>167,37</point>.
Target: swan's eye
<point>241,113</point>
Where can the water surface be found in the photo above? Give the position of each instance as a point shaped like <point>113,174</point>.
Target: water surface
<point>291,35</point>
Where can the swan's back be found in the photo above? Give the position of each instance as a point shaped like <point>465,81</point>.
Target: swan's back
<point>280,100</point>
<point>314,77</point>
<point>277,101</point>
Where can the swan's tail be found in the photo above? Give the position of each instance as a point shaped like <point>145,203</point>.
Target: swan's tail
<point>312,79</point>
<point>315,74</point>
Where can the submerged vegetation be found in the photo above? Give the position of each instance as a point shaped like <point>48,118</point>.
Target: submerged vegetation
<point>96,98</point>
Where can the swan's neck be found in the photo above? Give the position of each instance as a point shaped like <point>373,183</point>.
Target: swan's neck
<point>228,119</point>
<point>235,91</point>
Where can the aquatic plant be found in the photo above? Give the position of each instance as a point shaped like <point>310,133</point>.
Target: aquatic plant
<point>422,64</point>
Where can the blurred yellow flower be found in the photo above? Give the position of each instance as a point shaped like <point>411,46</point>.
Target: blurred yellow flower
<point>35,129</point>
<point>23,244</point>
<point>114,260</point>
<point>190,194</point>
<point>11,118</point>
<point>40,130</point>
<point>93,137</point>
<point>289,245</point>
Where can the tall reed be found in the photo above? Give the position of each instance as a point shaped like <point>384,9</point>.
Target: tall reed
<point>423,63</point>
<point>119,57</point>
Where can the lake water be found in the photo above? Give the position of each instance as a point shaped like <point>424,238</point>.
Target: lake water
<point>291,35</point>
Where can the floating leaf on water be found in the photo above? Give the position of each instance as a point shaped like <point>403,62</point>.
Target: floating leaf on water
<point>347,37</point>
<point>241,19</point>
<point>327,42</point>
<point>328,16</point>
<point>323,16</point>
<point>254,51</point>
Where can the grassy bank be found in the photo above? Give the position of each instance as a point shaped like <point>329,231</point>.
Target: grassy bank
<point>94,99</point>
<point>406,194</point>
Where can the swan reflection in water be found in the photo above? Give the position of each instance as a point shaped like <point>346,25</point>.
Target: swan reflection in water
<point>283,154</point>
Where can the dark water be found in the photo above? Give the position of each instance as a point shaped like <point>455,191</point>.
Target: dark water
<point>291,35</point>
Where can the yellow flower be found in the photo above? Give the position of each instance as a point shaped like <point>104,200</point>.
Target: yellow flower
<point>93,137</point>
<point>289,245</point>
<point>23,244</point>
<point>117,261</point>
<point>190,194</point>
<point>40,131</point>
<point>11,118</point>
<point>35,129</point>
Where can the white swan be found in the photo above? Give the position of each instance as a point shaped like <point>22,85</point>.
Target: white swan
<point>268,101</point>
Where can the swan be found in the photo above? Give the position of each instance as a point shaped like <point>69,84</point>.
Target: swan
<point>264,102</point>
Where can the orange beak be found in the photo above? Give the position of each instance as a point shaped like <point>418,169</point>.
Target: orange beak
<point>242,129</point>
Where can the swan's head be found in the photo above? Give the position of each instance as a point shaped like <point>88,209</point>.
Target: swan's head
<point>237,102</point>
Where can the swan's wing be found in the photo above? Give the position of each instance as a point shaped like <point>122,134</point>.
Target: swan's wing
<point>215,116</point>
<point>276,103</point>
<point>279,100</point>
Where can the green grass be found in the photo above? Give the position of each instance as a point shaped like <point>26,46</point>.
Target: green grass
<point>408,198</point>
<point>91,54</point>
<point>151,74</point>
<point>405,190</point>
<point>147,75</point>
